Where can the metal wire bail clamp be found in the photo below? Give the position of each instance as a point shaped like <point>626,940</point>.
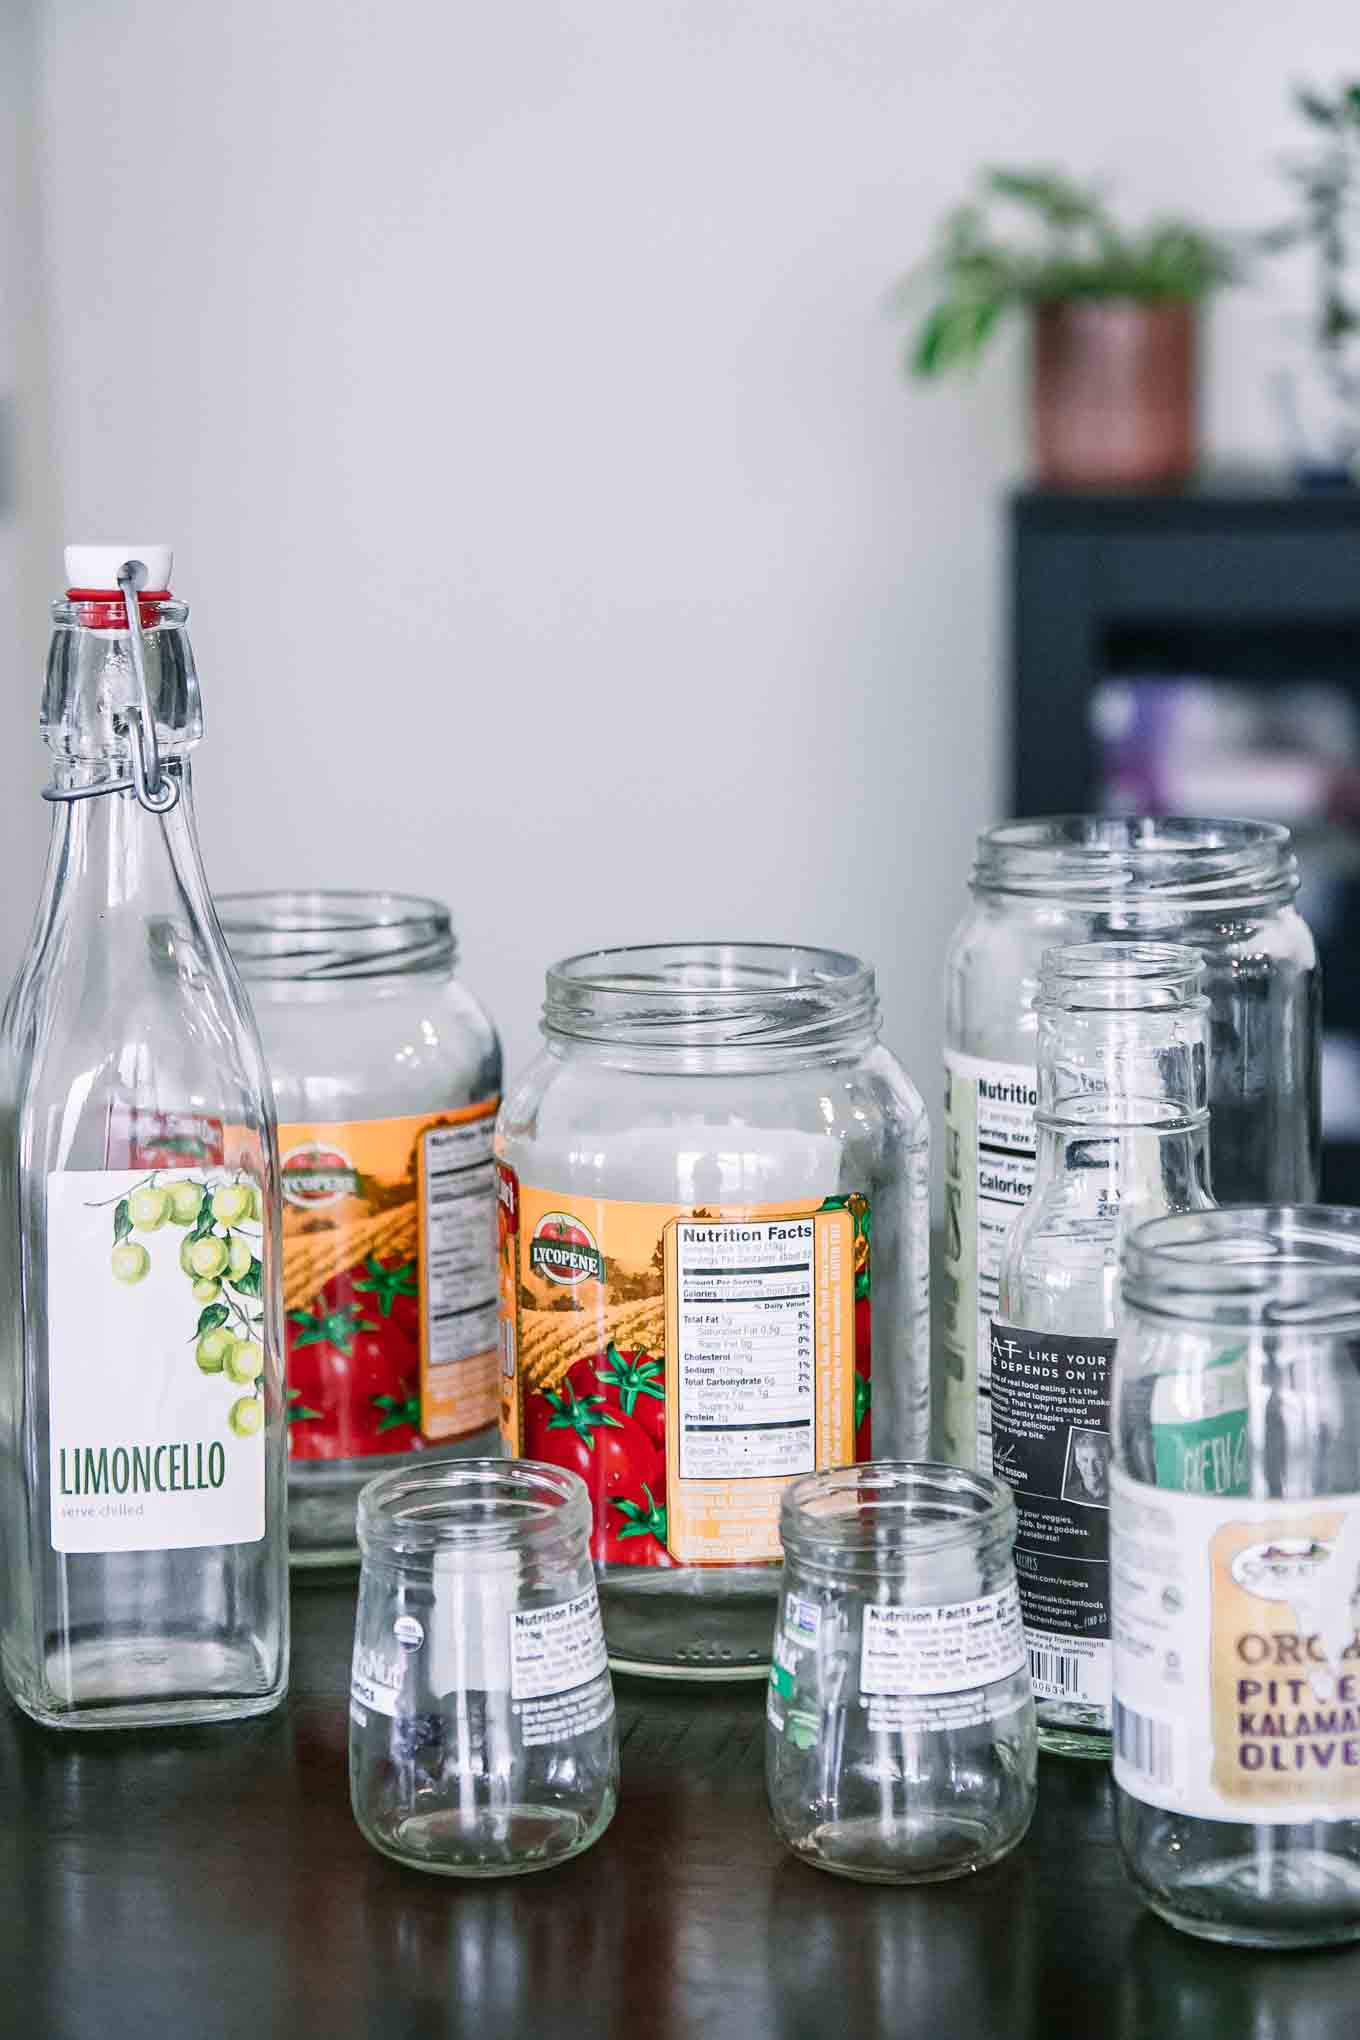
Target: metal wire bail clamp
<point>155,790</point>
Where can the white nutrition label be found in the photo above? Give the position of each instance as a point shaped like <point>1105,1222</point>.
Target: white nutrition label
<point>949,1648</point>
<point>554,1649</point>
<point>461,1289</point>
<point>746,1370</point>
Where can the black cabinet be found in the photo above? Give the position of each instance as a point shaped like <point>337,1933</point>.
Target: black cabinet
<point>1198,651</point>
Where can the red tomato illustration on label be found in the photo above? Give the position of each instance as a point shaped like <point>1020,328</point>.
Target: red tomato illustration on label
<point>614,1455</point>
<point>353,1385</point>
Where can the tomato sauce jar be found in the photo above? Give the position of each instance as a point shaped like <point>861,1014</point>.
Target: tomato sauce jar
<point>386,1075</point>
<point>714,1246</point>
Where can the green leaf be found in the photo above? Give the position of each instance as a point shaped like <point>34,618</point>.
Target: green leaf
<point>249,1283</point>
<point>203,1224</point>
<point>122,1222</point>
<point>864,1397</point>
<point>210,1317</point>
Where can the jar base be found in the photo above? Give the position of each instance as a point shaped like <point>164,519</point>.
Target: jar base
<point>1249,1903</point>
<point>923,1849</point>
<point>324,1493</point>
<point>489,1841</point>
<point>695,1622</point>
<point>113,1684</point>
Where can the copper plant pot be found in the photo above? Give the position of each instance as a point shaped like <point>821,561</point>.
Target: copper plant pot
<point>1114,391</point>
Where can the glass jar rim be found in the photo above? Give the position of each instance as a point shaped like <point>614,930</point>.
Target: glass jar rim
<point>888,1512</point>
<point>1276,1267</point>
<point>1185,861</point>
<point>318,934</point>
<point>469,1506</point>
<point>1121,974</point>
<point>734,997</point>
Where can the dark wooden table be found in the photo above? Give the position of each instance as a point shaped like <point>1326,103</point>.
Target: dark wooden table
<point>213,1882</point>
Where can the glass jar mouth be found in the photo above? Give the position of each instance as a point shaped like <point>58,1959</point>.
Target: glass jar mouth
<point>1269,1267</point>
<point>1135,977</point>
<point>736,996</point>
<point>1194,862</point>
<point>321,935</point>
<point>887,1513</point>
<point>471,1506</point>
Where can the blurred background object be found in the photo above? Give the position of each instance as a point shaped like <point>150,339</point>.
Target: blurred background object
<point>519,392</point>
<point>1113,349</point>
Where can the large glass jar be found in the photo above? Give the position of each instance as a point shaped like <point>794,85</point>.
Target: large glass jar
<point>1225,888</point>
<point>386,1076</point>
<point>1235,1564</point>
<point>691,1175</point>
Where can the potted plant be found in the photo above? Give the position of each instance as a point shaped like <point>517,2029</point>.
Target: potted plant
<point>1327,222</point>
<point>1114,354</point>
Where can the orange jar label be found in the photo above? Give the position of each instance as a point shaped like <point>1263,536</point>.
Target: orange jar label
<point>687,1363</point>
<point>389,1281</point>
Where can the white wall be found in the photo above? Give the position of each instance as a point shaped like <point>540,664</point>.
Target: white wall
<point>516,386</point>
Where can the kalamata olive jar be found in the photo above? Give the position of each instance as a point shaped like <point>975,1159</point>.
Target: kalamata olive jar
<point>1225,888</point>
<point>386,1075</point>
<point>714,1192</point>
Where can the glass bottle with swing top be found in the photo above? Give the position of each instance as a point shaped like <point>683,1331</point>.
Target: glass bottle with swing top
<point>141,1404</point>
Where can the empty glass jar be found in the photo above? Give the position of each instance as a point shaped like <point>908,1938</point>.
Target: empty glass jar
<point>1225,888</point>
<point>1235,1569</point>
<point>482,1735</point>
<point>386,1075</point>
<point>714,1266</point>
<point>900,1739</point>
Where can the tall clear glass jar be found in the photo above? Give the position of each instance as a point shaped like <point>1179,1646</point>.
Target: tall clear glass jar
<point>141,1387</point>
<point>1225,888</point>
<point>387,1075</point>
<point>691,1314</point>
<point>1235,1559</point>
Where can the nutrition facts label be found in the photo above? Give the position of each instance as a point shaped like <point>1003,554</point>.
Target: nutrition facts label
<point>461,1291</point>
<point>760,1373</point>
<point>747,1364</point>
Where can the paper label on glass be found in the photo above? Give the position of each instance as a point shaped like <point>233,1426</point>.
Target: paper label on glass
<point>1236,1654</point>
<point>989,1172</point>
<point>155,1409</point>
<point>554,1649</point>
<point>1050,1443</point>
<point>375,1681</point>
<point>947,1648</point>
<point>389,1281</point>
<point>687,1363</point>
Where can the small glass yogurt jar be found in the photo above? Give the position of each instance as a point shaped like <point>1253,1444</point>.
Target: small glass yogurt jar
<point>900,1741</point>
<point>1235,1573</point>
<point>482,1735</point>
<point>714,1230</point>
<point>1225,888</point>
<point>386,1075</point>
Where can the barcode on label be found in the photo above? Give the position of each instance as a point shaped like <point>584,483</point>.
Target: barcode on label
<point>1055,1673</point>
<point>1145,1744</point>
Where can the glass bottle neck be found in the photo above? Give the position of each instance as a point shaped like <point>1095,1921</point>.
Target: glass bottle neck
<point>1127,1172</point>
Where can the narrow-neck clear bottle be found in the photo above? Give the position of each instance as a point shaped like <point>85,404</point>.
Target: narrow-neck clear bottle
<point>141,1395</point>
<point>1122,1136</point>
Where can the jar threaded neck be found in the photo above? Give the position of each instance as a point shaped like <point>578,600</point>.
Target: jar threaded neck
<point>1140,861</point>
<point>739,998</point>
<point>317,937</point>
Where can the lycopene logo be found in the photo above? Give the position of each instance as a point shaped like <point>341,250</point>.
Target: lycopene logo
<point>563,1250</point>
<point>313,1175</point>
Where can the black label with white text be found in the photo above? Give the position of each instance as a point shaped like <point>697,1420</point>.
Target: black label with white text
<point>1051,1444</point>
